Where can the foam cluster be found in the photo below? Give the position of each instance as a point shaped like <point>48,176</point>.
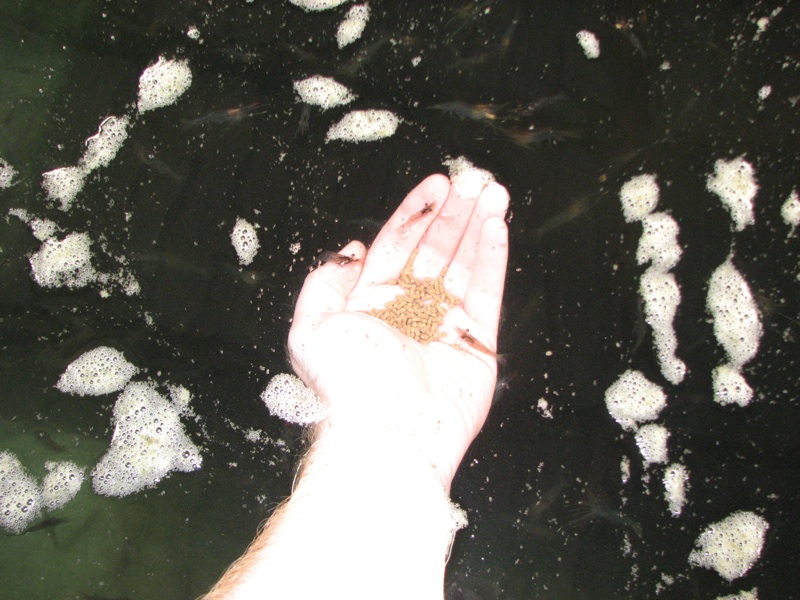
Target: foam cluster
<point>7,174</point>
<point>102,147</point>
<point>353,25</point>
<point>732,546</point>
<point>652,442</point>
<point>364,126</point>
<point>245,241</point>
<point>324,92</point>
<point>102,370</point>
<point>461,165</point>
<point>676,480</point>
<point>790,211</point>
<point>662,296</point>
<point>659,242</point>
<point>148,443</point>
<point>316,5</point>
<point>288,398</point>
<point>63,184</point>
<point>20,494</point>
<point>737,327</point>
<point>639,197</point>
<point>65,262</point>
<point>61,484</point>
<point>589,43</point>
<point>734,183</point>
<point>634,399</point>
<point>162,83</point>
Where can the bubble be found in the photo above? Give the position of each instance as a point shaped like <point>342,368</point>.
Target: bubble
<point>64,184</point>
<point>21,496</point>
<point>324,92</point>
<point>310,5</point>
<point>639,197</point>
<point>589,43</point>
<point>732,546</point>
<point>7,175</point>
<point>288,398</point>
<point>353,25</point>
<point>652,442</point>
<point>245,241</point>
<point>364,126</point>
<point>162,83</point>
<point>65,262</point>
<point>102,147</point>
<point>633,399</point>
<point>734,182</point>
<point>676,480</point>
<point>62,483</point>
<point>102,370</point>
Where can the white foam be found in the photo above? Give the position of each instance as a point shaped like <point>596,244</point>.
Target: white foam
<point>245,241</point>
<point>732,546</point>
<point>288,398</point>
<point>460,165</point>
<point>734,182</point>
<point>634,399</point>
<point>149,442</point>
<point>324,92</point>
<point>102,370</point>
<point>661,296</point>
<point>730,386</point>
<point>162,83</point>
<point>20,494</point>
<point>589,43</point>
<point>63,184</point>
<point>652,442</point>
<point>65,262</point>
<point>61,484</point>
<point>7,175</point>
<point>737,325</point>
<point>318,4</point>
<point>743,595</point>
<point>676,482</point>
<point>659,242</point>
<point>639,197</point>
<point>790,211</point>
<point>102,147</point>
<point>353,25</point>
<point>364,126</point>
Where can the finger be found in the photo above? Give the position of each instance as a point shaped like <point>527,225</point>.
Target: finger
<point>441,241</point>
<point>398,238</point>
<point>326,288</point>
<point>484,296</point>
<point>493,202</point>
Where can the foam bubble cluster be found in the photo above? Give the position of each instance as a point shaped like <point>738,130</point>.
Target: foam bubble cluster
<point>20,494</point>
<point>732,546</point>
<point>353,25</point>
<point>364,126</point>
<point>102,147</point>
<point>100,371</point>
<point>461,165</point>
<point>310,5</point>
<point>735,184</point>
<point>288,398</point>
<point>676,480</point>
<point>149,442</point>
<point>324,92</point>
<point>634,399</point>
<point>662,296</point>
<point>589,43</point>
<point>61,484</point>
<point>790,211</point>
<point>245,241</point>
<point>659,242</point>
<point>162,83</point>
<point>63,184</point>
<point>7,174</point>
<point>639,197</point>
<point>737,325</point>
<point>65,262</point>
<point>652,442</point>
<point>730,386</point>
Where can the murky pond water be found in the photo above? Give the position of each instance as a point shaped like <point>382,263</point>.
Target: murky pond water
<point>561,500</point>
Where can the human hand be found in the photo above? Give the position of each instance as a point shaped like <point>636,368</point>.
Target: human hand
<point>379,383</point>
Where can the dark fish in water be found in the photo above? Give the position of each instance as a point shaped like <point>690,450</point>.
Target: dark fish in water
<point>533,135</point>
<point>481,113</point>
<point>539,104</point>
<point>335,257</point>
<point>44,524</point>
<point>228,115</point>
<point>594,509</point>
<point>48,442</point>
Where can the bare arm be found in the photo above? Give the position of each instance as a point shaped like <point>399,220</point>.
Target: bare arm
<point>370,516</point>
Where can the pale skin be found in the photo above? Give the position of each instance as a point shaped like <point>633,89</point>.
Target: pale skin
<point>369,515</point>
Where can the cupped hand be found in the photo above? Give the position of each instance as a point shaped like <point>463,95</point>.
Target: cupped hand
<point>381,384</point>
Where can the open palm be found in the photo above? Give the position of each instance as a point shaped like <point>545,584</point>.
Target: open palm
<point>373,377</point>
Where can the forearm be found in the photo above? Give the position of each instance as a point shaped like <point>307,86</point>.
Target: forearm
<point>369,518</point>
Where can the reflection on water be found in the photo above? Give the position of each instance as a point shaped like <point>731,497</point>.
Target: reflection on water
<point>554,510</point>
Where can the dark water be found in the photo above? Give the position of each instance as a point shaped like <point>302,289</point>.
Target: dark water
<point>674,90</point>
